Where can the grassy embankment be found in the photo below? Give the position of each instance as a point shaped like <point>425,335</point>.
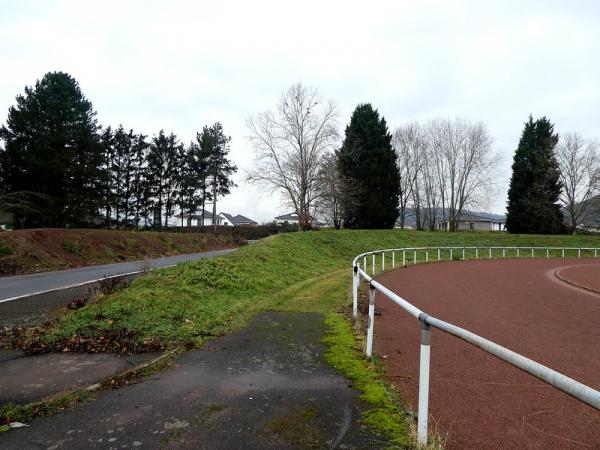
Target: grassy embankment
<point>185,305</point>
<point>38,250</point>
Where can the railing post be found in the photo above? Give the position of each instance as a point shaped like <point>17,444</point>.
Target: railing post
<point>383,262</point>
<point>373,264</point>
<point>365,263</point>
<point>595,253</point>
<point>547,253</point>
<point>578,253</point>
<point>438,254</point>
<point>463,253</point>
<point>414,257</point>
<point>424,363</point>
<point>504,253</point>
<point>371,321</point>
<point>563,253</point>
<point>518,252</point>
<point>450,254</point>
<point>532,254</point>
<point>427,255</point>
<point>490,253</point>
<point>477,253</point>
<point>403,258</point>
<point>393,260</point>
<point>355,283</point>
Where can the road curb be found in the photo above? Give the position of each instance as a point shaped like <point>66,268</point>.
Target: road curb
<point>572,283</point>
<point>102,384</point>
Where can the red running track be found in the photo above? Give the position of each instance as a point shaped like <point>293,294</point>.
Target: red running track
<point>476,400</point>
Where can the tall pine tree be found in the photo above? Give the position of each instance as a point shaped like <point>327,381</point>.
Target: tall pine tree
<point>535,186</point>
<point>216,145</point>
<point>52,150</point>
<point>162,175</point>
<point>369,172</point>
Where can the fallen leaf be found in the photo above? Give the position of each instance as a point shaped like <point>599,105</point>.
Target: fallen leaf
<point>17,425</point>
<point>4,428</point>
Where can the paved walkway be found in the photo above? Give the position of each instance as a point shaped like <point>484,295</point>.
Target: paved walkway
<point>478,400</point>
<point>264,387</point>
<point>23,285</point>
<point>26,379</point>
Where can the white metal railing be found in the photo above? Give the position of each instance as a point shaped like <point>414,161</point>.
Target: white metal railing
<point>411,255</point>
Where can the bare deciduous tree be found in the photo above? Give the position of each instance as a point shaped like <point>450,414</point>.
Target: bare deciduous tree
<point>579,163</point>
<point>409,145</point>
<point>290,143</point>
<point>470,163</point>
<point>331,190</point>
<point>452,163</point>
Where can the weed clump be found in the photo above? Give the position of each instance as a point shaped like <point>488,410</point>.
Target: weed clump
<point>71,247</point>
<point>219,273</point>
<point>5,250</point>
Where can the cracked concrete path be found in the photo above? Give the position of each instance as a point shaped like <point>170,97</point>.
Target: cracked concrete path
<point>264,387</point>
<point>25,379</point>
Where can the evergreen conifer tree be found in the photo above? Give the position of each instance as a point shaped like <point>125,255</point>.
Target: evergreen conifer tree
<point>52,150</point>
<point>535,186</point>
<point>215,144</point>
<point>369,172</point>
<point>164,162</point>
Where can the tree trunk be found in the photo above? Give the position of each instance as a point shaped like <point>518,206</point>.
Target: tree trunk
<point>214,218</point>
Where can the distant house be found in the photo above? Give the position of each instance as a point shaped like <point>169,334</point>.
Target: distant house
<point>473,222</point>
<point>222,220</point>
<point>196,219</point>
<point>287,219</point>
<point>238,221</point>
<point>6,220</point>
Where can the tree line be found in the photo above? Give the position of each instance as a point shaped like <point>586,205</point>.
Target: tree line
<point>68,171</point>
<point>373,176</point>
<point>59,167</point>
<point>436,170</point>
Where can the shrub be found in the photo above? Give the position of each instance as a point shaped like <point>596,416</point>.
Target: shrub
<point>71,247</point>
<point>5,250</point>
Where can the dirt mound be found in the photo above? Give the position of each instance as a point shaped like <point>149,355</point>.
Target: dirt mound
<point>39,250</point>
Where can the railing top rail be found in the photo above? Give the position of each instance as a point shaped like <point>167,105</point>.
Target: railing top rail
<point>408,307</point>
<point>466,247</point>
<point>563,382</point>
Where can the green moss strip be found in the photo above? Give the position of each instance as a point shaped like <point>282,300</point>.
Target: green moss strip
<point>386,415</point>
<point>51,405</point>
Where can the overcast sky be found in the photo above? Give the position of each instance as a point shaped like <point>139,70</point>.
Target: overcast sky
<point>179,65</point>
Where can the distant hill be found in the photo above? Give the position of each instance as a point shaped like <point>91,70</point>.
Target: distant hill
<point>592,218</point>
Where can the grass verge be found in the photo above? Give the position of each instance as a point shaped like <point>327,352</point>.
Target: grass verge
<point>45,407</point>
<point>189,303</point>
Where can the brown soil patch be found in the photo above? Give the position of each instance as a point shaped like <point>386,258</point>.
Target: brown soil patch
<point>38,250</point>
<point>478,400</point>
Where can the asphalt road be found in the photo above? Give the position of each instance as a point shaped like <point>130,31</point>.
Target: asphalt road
<point>12,288</point>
